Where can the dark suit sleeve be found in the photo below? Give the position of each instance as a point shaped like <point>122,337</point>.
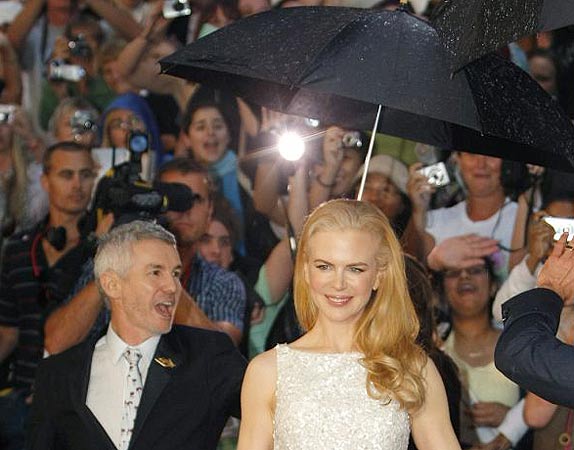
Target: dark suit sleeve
<point>528,351</point>
<point>226,370</point>
<point>40,428</point>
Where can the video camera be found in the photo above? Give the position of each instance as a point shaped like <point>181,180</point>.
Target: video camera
<point>123,192</point>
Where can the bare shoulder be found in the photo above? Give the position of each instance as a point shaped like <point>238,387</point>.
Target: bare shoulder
<point>429,369</point>
<point>264,364</point>
<point>262,370</point>
<point>260,382</point>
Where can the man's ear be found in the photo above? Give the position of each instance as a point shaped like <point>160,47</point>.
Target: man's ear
<point>110,284</point>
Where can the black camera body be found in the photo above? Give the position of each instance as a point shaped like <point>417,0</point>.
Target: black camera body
<point>123,192</point>
<point>79,47</point>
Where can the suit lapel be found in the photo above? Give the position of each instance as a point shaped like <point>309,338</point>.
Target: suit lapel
<point>78,393</point>
<point>165,361</point>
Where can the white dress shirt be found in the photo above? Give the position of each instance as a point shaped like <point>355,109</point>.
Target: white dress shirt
<point>108,378</point>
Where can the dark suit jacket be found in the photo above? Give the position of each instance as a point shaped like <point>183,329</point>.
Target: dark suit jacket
<point>528,351</point>
<point>181,407</point>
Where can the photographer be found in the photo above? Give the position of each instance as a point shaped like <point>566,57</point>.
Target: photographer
<point>75,120</point>
<point>34,30</point>
<point>486,212</point>
<point>539,245</point>
<point>72,69</point>
<point>343,152</point>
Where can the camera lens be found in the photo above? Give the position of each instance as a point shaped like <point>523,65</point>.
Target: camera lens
<point>352,140</point>
<point>178,5</point>
<point>138,142</point>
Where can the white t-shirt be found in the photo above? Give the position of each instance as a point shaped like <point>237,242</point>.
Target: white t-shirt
<point>445,223</point>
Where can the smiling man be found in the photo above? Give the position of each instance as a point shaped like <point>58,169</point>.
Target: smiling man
<point>146,384</point>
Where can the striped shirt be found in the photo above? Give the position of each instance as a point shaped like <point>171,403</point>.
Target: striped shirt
<point>27,298</point>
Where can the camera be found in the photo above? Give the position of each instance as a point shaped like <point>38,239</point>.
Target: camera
<point>138,142</point>
<point>6,113</point>
<point>560,225</point>
<point>352,139</point>
<point>79,47</point>
<point>60,70</point>
<point>176,8</point>
<point>436,174</point>
<point>83,121</point>
<point>123,192</point>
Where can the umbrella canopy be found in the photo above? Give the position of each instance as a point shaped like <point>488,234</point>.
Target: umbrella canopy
<point>470,29</point>
<point>338,64</point>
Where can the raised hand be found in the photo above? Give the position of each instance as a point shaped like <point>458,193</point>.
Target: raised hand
<point>557,273</point>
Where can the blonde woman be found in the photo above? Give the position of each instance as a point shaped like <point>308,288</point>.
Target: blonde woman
<point>356,379</point>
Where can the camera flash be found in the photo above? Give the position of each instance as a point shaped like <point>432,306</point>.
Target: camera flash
<point>291,146</point>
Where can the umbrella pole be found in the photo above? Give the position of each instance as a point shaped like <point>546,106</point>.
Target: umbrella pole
<point>369,153</point>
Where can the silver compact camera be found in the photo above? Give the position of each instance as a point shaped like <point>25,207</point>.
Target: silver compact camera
<point>59,70</point>
<point>83,121</point>
<point>352,139</point>
<point>436,174</point>
<point>176,8</point>
<point>6,113</point>
<point>560,225</point>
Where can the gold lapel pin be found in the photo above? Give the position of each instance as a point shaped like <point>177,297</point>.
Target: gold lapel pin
<point>165,362</point>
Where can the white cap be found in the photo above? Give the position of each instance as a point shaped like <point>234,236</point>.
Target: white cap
<point>391,167</point>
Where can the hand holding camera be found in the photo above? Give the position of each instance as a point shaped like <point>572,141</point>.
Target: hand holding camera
<point>540,240</point>
<point>436,174</point>
<point>419,189</point>
<point>60,67</point>
<point>557,274</point>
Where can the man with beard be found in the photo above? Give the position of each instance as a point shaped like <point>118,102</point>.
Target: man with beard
<point>144,384</point>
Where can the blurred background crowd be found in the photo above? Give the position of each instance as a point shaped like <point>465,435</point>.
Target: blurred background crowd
<point>80,88</point>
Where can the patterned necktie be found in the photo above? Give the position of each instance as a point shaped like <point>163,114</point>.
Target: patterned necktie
<point>132,396</point>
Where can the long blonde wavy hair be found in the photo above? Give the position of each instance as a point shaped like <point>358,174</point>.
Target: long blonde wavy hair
<point>386,331</point>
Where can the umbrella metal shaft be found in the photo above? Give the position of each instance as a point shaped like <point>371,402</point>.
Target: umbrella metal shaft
<point>369,153</point>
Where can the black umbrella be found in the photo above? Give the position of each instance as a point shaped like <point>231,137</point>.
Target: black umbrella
<point>470,29</point>
<point>339,64</point>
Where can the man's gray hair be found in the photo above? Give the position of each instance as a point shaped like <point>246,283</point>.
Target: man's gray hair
<point>115,247</point>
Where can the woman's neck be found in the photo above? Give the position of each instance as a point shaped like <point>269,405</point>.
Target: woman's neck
<point>482,208</point>
<point>330,338</point>
<point>472,327</point>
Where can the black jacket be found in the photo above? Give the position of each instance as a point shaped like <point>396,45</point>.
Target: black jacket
<point>181,407</point>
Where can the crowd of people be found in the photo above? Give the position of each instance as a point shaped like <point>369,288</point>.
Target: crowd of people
<point>366,324</point>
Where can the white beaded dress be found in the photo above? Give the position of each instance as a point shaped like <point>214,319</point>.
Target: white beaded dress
<point>322,403</point>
